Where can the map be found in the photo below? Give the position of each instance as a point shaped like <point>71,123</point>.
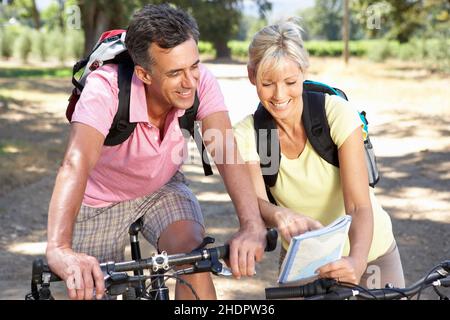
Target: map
<point>311,250</point>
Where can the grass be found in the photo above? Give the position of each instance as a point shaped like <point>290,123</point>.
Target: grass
<point>32,72</point>
<point>6,149</point>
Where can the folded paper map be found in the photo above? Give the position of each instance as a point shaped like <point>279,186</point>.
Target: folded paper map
<point>311,250</point>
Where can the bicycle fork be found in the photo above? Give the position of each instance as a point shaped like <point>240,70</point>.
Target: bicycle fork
<point>159,290</point>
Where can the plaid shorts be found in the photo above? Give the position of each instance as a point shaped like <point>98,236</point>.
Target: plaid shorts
<point>103,232</point>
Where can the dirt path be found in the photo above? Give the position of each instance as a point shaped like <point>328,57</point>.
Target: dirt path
<point>409,114</point>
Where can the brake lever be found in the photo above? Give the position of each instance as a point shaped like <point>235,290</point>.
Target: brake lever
<point>226,272</point>
<point>116,283</point>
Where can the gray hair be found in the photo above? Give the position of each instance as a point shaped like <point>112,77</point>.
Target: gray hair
<point>161,24</point>
<point>274,42</point>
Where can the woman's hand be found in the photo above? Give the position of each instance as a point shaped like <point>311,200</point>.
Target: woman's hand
<point>290,223</point>
<point>347,269</point>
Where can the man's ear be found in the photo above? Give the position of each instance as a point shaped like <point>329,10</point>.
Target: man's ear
<point>251,75</point>
<point>143,75</point>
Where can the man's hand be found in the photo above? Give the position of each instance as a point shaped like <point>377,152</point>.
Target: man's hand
<point>246,248</point>
<point>347,269</point>
<point>291,224</point>
<point>79,271</point>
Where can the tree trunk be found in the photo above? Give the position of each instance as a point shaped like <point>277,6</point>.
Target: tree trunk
<point>95,21</point>
<point>61,8</point>
<point>346,31</point>
<point>36,16</point>
<point>222,50</point>
<point>98,18</point>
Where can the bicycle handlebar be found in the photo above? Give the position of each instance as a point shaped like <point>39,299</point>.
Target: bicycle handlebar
<point>159,261</point>
<point>330,289</point>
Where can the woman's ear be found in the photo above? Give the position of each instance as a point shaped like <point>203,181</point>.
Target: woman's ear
<point>143,75</point>
<point>251,75</point>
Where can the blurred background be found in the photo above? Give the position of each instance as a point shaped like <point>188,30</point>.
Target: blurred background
<point>52,31</point>
<point>392,58</point>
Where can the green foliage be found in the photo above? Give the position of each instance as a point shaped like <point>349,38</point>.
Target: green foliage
<point>433,53</point>
<point>380,50</point>
<point>40,47</point>
<point>75,40</point>
<point>8,36</point>
<point>323,21</point>
<point>206,48</point>
<point>249,25</point>
<point>438,50</point>
<point>33,72</point>
<point>218,20</point>
<point>402,20</point>
<point>334,48</point>
<point>239,49</point>
<point>24,45</point>
<point>52,16</point>
<point>58,44</point>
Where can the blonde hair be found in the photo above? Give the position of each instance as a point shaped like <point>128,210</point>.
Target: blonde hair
<point>274,42</point>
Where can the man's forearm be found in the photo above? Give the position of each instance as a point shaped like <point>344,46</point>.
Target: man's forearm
<point>64,206</point>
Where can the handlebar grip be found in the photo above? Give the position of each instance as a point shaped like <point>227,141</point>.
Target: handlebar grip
<point>223,251</point>
<point>40,266</point>
<point>284,292</point>
<point>317,287</point>
<point>271,238</point>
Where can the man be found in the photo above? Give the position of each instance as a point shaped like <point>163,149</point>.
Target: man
<point>99,191</point>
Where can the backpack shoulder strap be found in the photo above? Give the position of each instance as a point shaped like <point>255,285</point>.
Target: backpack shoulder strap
<point>187,122</point>
<point>269,154</point>
<point>316,126</point>
<point>121,127</point>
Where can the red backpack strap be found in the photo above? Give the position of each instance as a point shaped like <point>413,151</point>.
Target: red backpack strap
<point>73,99</point>
<point>110,33</point>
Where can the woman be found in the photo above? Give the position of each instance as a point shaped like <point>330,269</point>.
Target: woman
<point>309,191</point>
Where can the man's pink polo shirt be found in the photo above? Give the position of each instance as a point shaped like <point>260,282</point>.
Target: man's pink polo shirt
<point>143,163</point>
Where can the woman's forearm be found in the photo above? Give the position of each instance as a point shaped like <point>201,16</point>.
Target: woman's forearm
<point>361,233</point>
<point>269,212</point>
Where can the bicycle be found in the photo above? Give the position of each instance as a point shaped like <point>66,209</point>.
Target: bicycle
<point>119,282</point>
<point>331,289</point>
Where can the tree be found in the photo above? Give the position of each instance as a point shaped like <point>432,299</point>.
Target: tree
<point>55,16</point>
<point>402,19</point>
<point>219,20</point>
<point>98,16</point>
<point>248,26</point>
<point>324,20</point>
<point>35,15</point>
<point>60,15</point>
<point>27,10</point>
<point>346,30</point>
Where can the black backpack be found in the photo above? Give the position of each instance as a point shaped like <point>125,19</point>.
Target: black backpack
<point>110,49</point>
<point>317,131</point>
